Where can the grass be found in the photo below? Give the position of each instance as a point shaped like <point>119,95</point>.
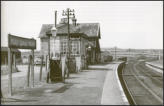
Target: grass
<point>4,70</point>
<point>20,83</point>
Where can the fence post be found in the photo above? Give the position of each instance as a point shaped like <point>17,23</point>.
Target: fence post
<point>5,62</point>
<point>32,68</point>
<point>46,63</point>
<point>28,71</point>
<point>63,66</point>
<point>14,61</point>
<point>10,71</point>
<point>40,78</point>
<point>1,94</point>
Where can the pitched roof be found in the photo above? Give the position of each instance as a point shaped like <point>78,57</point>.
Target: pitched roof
<point>89,29</point>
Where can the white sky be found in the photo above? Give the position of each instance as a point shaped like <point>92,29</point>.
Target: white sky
<point>125,24</point>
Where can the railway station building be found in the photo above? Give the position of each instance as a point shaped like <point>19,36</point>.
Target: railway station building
<point>84,39</point>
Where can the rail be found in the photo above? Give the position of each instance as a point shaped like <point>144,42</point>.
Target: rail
<point>124,84</point>
<point>155,66</point>
<point>146,87</point>
<point>137,73</point>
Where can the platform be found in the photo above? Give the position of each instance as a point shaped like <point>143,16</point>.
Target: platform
<point>113,93</point>
<point>155,67</point>
<point>98,85</point>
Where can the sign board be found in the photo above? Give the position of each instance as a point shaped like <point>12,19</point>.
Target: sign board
<point>21,43</point>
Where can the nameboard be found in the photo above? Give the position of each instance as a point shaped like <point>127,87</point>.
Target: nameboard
<point>20,42</point>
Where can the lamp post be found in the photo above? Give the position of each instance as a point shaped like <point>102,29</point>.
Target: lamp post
<point>53,33</point>
<point>54,30</point>
<point>68,13</point>
<point>48,75</point>
<point>48,35</point>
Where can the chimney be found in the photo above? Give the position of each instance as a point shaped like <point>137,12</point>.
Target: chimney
<point>63,21</point>
<point>74,21</point>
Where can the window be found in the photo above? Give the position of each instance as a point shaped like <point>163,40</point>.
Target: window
<point>75,47</point>
<point>64,48</point>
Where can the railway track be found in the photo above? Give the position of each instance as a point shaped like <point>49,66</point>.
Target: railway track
<point>143,84</point>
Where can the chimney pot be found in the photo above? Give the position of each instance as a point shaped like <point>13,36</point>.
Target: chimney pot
<point>74,21</point>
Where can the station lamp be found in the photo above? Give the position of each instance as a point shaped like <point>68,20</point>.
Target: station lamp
<point>89,47</point>
<point>53,31</point>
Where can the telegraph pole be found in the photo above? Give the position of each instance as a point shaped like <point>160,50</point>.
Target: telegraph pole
<point>129,52</point>
<point>68,13</point>
<point>159,55</point>
<point>68,33</point>
<point>115,52</point>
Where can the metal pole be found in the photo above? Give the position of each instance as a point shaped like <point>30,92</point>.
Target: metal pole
<point>55,18</point>
<point>10,71</point>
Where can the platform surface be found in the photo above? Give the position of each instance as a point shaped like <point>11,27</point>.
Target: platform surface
<point>112,93</point>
